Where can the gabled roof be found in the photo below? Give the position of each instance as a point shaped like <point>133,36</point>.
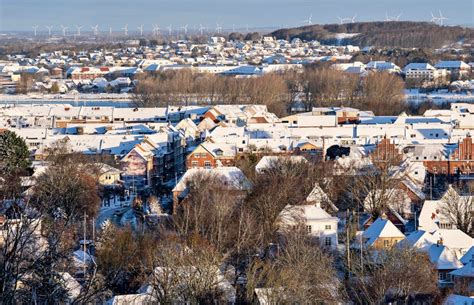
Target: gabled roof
<point>443,257</point>
<point>308,212</point>
<point>466,259</point>
<point>232,176</point>
<point>381,228</point>
<point>419,239</point>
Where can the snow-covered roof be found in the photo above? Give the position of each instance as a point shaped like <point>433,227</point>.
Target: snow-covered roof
<point>269,161</point>
<point>419,239</point>
<point>381,228</point>
<point>232,176</point>
<point>308,212</point>
<point>466,259</point>
<point>443,257</point>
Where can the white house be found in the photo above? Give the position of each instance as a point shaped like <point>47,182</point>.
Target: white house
<point>318,223</point>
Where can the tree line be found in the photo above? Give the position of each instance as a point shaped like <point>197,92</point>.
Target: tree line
<point>314,87</point>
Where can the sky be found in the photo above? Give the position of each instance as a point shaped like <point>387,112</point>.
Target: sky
<point>21,15</point>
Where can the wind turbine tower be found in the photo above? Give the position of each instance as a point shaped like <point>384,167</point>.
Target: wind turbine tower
<point>64,29</point>
<point>125,30</point>
<point>35,28</point>
<point>49,27</point>
<point>218,28</point>
<point>201,29</point>
<point>95,28</point>
<point>79,27</point>
<point>308,21</point>
<point>140,28</point>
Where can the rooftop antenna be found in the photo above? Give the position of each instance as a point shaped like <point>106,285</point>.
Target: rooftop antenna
<point>95,28</point>
<point>35,28</point>
<point>125,30</point>
<point>170,29</point>
<point>140,28</point>
<point>49,27</point>
<point>309,20</point>
<point>79,27</point>
<point>64,29</point>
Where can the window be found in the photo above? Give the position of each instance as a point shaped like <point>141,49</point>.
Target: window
<point>308,229</point>
<point>194,164</point>
<point>441,276</point>
<point>386,243</point>
<point>328,241</point>
<point>327,227</point>
<point>207,164</point>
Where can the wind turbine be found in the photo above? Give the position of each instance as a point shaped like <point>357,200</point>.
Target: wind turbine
<point>49,27</point>
<point>140,28</point>
<point>201,29</point>
<point>353,18</point>
<point>170,30</point>
<point>438,20</point>
<point>185,29</point>
<point>156,29</point>
<point>79,27</point>
<point>125,30</point>
<point>110,31</point>
<point>64,29</point>
<point>35,28</point>
<point>309,20</point>
<point>347,19</point>
<point>218,28</point>
<point>392,18</point>
<point>95,28</point>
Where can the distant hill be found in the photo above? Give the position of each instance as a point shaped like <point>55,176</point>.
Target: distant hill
<point>404,34</point>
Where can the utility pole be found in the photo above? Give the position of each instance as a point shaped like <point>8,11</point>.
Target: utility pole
<point>84,241</point>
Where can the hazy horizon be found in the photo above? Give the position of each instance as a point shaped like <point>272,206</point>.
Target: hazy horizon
<point>21,15</point>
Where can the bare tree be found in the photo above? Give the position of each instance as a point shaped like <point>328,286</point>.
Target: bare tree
<point>300,273</point>
<point>458,208</point>
<point>398,274</point>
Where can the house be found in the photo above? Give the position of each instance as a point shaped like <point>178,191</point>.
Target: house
<point>211,155</point>
<point>383,66</point>
<point>418,239</point>
<point>445,261</point>
<point>457,68</point>
<point>424,72</point>
<point>463,279</point>
<point>108,176</point>
<point>382,234</point>
<point>268,162</point>
<point>321,226</point>
<point>232,177</point>
<point>137,165</point>
<point>319,198</point>
<point>434,214</point>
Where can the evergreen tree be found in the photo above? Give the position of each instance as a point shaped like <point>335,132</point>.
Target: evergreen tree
<point>14,154</point>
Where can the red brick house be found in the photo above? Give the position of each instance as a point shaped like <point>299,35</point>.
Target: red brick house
<point>461,161</point>
<point>211,155</point>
